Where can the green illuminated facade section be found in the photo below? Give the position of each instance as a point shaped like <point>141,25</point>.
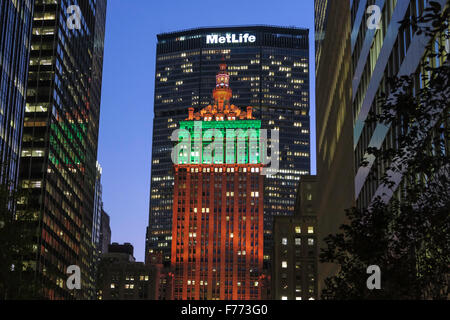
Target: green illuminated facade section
<point>219,142</point>
<point>60,146</point>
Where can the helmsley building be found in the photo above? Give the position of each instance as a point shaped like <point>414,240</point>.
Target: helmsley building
<point>269,69</point>
<point>217,227</point>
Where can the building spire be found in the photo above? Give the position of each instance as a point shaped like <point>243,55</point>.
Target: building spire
<point>222,93</point>
<point>221,109</point>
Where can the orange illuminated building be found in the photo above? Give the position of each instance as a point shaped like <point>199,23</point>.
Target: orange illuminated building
<point>217,229</point>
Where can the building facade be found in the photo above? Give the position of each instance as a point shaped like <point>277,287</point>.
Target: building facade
<point>105,233</point>
<point>98,207</point>
<point>269,67</point>
<point>377,55</point>
<point>334,121</point>
<point>59,145</point>
<point>355,56</point>
<point>15,34</point>
<point>294,271</point>
<point>122,278</point>
<point>217,244</point>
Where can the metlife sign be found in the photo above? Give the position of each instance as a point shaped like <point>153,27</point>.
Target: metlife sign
<point>230,38</point>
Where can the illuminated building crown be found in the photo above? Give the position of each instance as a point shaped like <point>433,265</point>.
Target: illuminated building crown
<point>222,109</point>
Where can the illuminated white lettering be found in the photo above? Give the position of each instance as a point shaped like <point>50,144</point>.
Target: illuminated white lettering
<point>230,38</point>
<point>212,38</point>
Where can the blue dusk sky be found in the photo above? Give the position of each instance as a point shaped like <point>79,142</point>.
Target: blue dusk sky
<point>125,142</point>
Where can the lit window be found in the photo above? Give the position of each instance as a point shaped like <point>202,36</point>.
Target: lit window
<point>310,229</point>
<point>298,241</point>
<point>310,241</point>
<point>284,264</point>
<point>33,153</point>
<point>284,298</point>
<point>298,230</point>
<point>284,241</point>
<point>298,298</point>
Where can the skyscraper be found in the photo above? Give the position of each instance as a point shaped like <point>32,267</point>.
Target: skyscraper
<point>105,233</point>
<point>378,54</point>
<point>15,35</point>
<point>269,69</point>
<point>217,228</point>
<point>97,217</point>
<point>335,164</point>
<point>98,207</point>
<point>358,48</point>
<point>59,148</point>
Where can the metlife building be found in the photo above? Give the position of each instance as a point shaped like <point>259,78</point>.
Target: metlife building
<point>269,69</point>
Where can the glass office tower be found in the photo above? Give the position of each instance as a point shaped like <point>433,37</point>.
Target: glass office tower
<point>15,33</point>
<point>59,148</point>
<point>269,69</point>
<point>98,207</point>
